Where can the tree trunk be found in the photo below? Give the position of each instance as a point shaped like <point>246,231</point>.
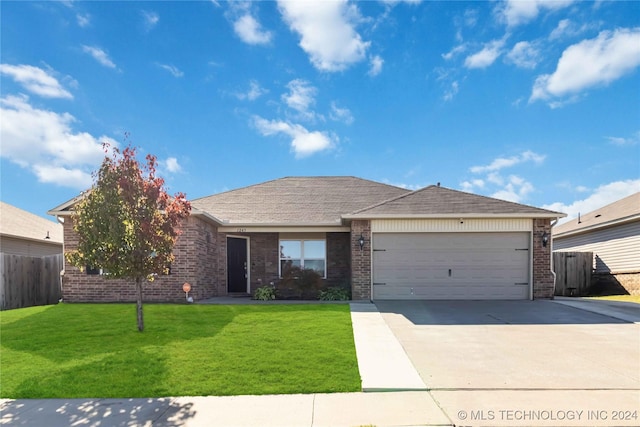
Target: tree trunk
<point>139,304</point>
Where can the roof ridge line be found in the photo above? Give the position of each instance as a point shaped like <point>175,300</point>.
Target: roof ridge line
<point>375,205</point>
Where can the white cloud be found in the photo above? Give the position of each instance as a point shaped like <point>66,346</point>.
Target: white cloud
<point>172,165</point>
<point>507,162</point>
<point>567,28</point>
<point>44,142</point>
<point>632,140</point>
<point>172,69</point>
<point>375,67</point>
<point>99,55</point>
<point>150,19</point>
<point>250,31</point>
<point>36,80</point>
<point>513,188</point>
<point>454,52</point>
<point>517,12</point>
<point>340,114</point>
<point>516,189</point>
<point>601,196</point>
<point>394,2</point>
<point>561,29</point>
<point>303,142</point>
<point>255,91</point>
<point>487,56</point>
<point>412,187</point>
<point>450,93</point>
<point>301,97</point>
<point>470,185</point>
<point>609,56</point>
<point>327,32</point>
<point>83,20</point>
<point>524,55</point>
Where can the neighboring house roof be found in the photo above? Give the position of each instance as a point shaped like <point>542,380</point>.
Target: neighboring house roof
<point>296,200</point>
<point>435,201</point>
<point>623,211</point>
<point>21,224</point>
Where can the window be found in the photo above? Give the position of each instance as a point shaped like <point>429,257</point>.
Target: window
<point>96,271</point>
<point>310,254</point>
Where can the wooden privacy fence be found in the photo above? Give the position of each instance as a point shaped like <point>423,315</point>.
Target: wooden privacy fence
<point>28,281</point>
<point>573,272</point>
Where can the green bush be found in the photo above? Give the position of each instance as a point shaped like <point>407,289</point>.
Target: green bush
<point>298,283</point>
<point>335,293</point>
<point>265,293</point>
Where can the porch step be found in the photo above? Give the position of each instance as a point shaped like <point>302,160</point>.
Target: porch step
<point>239,295</point>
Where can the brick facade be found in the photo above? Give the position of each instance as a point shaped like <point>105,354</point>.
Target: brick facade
<point>201,260</point>
<point>543,278</point>
<point>195,262</point>
<point>361,260</point>
<point>338,259</point>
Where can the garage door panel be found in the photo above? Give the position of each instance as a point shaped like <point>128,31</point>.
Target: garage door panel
<point>451,266</point>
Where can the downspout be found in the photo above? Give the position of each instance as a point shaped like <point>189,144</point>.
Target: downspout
<point>553,270</point>
<point>64,262</point>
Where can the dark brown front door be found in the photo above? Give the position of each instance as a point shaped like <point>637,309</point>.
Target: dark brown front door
<point>236,264</point>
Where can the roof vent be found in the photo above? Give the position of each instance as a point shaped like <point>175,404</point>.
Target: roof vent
<point>598,216</point>
<point>438,184</point>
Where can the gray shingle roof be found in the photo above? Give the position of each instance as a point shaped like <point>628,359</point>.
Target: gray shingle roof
<point>19,223</point>
<point>296,200</point>
<point>435,201</point>
<point>627,208</point>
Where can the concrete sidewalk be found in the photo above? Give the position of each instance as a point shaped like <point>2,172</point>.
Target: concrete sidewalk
<point>627,311</point>
<point>301,410</point>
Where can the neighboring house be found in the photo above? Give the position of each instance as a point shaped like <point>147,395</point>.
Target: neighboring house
<point>385,242</point>
<point>23,233</point>
<point>612,233</point>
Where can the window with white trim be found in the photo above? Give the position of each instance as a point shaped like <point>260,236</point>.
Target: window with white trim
<point>306,254</point>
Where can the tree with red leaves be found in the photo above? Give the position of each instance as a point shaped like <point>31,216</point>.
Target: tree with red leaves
<point>127,223</point>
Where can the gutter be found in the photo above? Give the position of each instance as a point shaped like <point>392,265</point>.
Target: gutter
<point>553,271</point>
<point>595,227</point>
<point>455,215</point>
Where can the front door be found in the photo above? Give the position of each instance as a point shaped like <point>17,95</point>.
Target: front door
<point>237,273</point>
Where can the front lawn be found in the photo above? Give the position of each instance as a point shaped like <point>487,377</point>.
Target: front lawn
<point>95,350</point>
<point>624,298</point>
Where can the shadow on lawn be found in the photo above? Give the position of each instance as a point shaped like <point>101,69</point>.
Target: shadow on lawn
<point>96,412</point>
<point>144,377</point>
<point>68,332</point>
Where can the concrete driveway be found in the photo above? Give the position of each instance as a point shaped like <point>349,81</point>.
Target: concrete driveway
<point>515,345</point>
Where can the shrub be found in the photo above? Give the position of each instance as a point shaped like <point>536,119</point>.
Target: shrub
<point>335,293</point>
<point>300,283</point>
<point>265,293</point>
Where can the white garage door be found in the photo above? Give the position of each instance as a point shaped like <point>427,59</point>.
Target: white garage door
<point>451,266</point>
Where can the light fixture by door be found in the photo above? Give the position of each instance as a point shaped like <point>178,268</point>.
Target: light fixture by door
<point>361,241</point>
<point>545,239</point>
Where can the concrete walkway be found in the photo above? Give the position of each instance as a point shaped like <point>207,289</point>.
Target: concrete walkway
<point>383,363</point>
<point>627,311</point>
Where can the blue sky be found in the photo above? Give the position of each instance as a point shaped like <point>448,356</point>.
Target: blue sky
<point>536,102</point>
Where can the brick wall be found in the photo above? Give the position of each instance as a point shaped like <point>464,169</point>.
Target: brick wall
<point>265,257</point>
<point>195,262</point>
<point>543,281</point>
<point>338,259</point>
<point>360,260</point>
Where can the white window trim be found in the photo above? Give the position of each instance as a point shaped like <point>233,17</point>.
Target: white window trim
<point>302,258</point>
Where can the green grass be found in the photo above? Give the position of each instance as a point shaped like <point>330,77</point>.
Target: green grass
<point>95,350</point>
<point>625,298</point>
